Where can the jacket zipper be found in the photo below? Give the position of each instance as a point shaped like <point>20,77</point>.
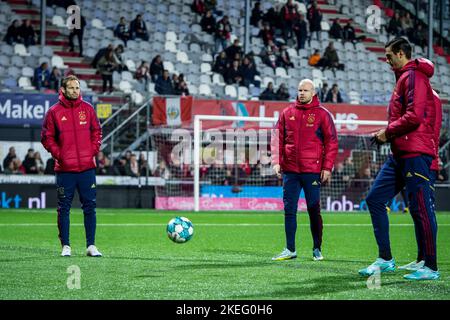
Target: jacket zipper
<point>300,138</point>
<point>76,140</point>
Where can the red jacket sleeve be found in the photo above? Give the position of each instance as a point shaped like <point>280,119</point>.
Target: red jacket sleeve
<point>48,135</point>
<point>330,142</point>
<point>276,141</point>
<point>414,91</point>
<point>96,132</point>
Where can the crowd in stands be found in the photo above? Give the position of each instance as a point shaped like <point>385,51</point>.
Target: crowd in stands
<point>21,33</point>
<point>31,164</point>
<point>402,24</point>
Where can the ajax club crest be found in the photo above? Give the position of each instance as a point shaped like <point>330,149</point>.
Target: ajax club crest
<point>82,116</point>
<point>310,120</point>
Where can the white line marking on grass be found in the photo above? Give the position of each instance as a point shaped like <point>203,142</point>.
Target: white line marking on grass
<point>206,224</point>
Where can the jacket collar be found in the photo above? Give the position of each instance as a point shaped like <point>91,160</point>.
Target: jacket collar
<point>314,103</point>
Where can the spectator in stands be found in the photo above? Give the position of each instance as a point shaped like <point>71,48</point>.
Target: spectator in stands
<point>122,31</point>
<point>78,32</point>
<point>223,34</point>
<point>208,22</point>
<point>288,15</point>
<point>301,31</point>
<point>221,63</point>
<point>103,164</point>
<point>143,73</point>
<point>55,79</point>
<point>315,19</point>
<point>119,166</point>
<point>143,165</point>
<point>272,18</point>
<point>13,35</point>
<point>132,167</point>
<point>27,33</point>
<point>162,171</point>
<point>9,157</point>
<point>15,167</point>
<point>323,91</point>
<point>330,58</point>
<point>350,34</point>
<point>39,163</point>
<point>419,36</point>
<point>282,93</point>
<point>211,5</point>
<point>42,76</point>
<point>117,54</point>
<point>100,53</point>
<point>181,89</point>
<point>269,93</point>
<point>248,71</point>
<point>314,58</point>
<point>336,31</point>
<point>283,58</point>
<point>257,15</point>
<point>28,163</point>
<point>198,6</point>
<point>50,166</point>
<point>138,28</point>
<point>164,85</point>
<point>106,66</point>
<point>156,68</point>
<point>267,34</point>
<point>269,55</point>
<point>334,95</point>
<point>233,49</point>
<point>395,26</point>
<point>233,74</point>
<point>407,23</point>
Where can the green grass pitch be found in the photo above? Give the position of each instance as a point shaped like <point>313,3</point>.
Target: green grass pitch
<point>229,257</point>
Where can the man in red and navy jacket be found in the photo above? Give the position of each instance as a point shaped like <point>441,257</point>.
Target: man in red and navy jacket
<point>410,130</point>
<point>71,132</point>
<point>304,146</point>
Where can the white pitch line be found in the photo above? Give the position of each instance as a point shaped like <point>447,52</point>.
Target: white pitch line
<point>205,224</point>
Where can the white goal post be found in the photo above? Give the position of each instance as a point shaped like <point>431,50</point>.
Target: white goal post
<point>198,138</point>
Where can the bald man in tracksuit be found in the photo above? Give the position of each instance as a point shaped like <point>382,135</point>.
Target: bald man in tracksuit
<point>304,147</point>
<point>411,118</point>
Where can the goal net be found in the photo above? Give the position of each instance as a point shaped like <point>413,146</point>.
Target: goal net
<point>224,163</point>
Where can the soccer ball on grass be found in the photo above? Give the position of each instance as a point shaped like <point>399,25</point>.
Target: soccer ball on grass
<point>180,229</point>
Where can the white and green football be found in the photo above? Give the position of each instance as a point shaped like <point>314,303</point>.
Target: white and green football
<point>180,229</point>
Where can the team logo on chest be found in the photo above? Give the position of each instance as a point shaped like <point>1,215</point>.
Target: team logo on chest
<point>82,116</point>
<point>310,120</point>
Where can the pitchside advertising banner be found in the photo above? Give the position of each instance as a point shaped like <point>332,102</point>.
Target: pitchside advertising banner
<point>27,109</point>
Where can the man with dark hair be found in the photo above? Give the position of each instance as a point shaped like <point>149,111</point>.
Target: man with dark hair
<point>138,28</point>
<point>78,32</point>
<point>164,85</point>
<point>122,31</point>
<point>304,146</point>
<point>411,118</point>
<point>72,134</point>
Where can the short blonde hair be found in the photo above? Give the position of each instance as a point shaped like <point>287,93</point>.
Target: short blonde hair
<point>308,81</point>
<point>67,79</point>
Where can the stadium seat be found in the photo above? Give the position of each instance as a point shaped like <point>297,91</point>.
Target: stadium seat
<point>281,72</point>
<point>205,79</point>
<point>231,91</point>
<point>169,66</point>
<point>21,50</point>
<point>182,57</point>
<point>242,93</point>
<point>58,62</point>
<point>27,72</point>
<point>58,21</point>
<point>204,90</point>
<point>170,46</point>
<point>205,68</point>
<point>97,23</point>
<point>125,86</point>
<point>25,83</point>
